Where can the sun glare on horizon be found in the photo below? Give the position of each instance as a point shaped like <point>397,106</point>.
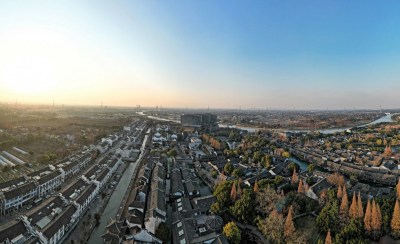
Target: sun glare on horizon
<point>35,60</point>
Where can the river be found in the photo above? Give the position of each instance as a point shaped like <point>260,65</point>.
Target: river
<point>116,198</point>
<point>384,119</point>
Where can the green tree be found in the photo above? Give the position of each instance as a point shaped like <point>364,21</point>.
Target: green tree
<point>351,233</point>
<point>216,208</point>
<point>311,167</point>
<point>267,161</point>
<point>243,209</point>
<point>222,194</point>
<point>328,217</point>
<point>163,232</point>
<point>228,168</point>
<point>214,174</point>
<point>257,156</point>
<point>172,153</point>
<point>293,166</point>
<point>232,232</point>
<point>236,173</point>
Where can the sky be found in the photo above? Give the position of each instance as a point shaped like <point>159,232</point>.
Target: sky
<point>201,53</point>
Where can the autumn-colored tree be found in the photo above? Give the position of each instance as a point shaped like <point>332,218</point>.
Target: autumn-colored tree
<point>395,223</point>
<point>306,187</point>
<point>379,214</point>
<point>233,192</point>
<point>388,151</point>
<point>289,228</point>
<point>255,188</point>
<point>368,217</point>
<point>295,178</point>
<point>376,220</point>
<point>336,179</point>
<point>300,188</point>
<point>353,207</point>
<point>398,190</point>
<point>232,232</point>
<point>344,206</point>
<point>360,210</point>
<point>272,227</point>
<point>328,239</point>
<point>339,192</point>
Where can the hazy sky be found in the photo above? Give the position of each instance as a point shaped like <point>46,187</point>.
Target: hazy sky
<point>199,53</point>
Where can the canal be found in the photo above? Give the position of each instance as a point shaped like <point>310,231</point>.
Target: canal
<point>302,164</point>
<point>116,198</point>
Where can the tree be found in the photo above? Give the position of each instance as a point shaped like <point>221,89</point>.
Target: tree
<point>216,208</point>
<point>368,217</point>
<point>286,154</point>
<point>222,194</point>
<point>398,190</point>
<point>310,167</point>
<point>232,232</point>
<point>339,192</point>
<point>336,179</point>
<point>360,210</point>
<point>172,153</point>
<point>214,174</point>
<point>350,233</point>
<point>257,156</point>
<point>328,217</point>
<point>295,178</point>
<point>233,192</point>
<point>328,239</point>
<point>272,227</point>
<point>239,189</point>
<point>353,207</point>
<point>228,168</point>
<point>289,228</point>
<point>293,167</point>
<point>388,151</point>
<point>344,206</point>
<point>163,232</point>
<point>300,188</point>
<point>376,220</point>
<point>395,223</point>
<point>236,173</point>
<point>255,188</point>
<point>243,209</point>
<point>267,200</point>
<point>267,161</point>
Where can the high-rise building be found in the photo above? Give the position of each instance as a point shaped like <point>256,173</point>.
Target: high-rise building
<point>198,120</point>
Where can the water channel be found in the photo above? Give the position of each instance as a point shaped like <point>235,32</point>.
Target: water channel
<point>116,198</point>
<point>384,119</point>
